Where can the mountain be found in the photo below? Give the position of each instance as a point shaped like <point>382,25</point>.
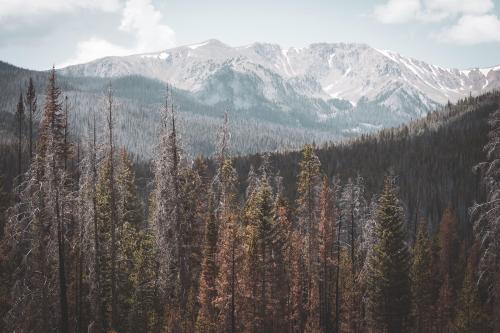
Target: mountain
<point>318,79</point>
<point>277,98</point>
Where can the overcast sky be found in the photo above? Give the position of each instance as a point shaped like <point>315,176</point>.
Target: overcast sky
<point>453,33</point>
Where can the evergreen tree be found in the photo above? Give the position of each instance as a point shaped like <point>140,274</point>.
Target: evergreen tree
<point>207,315</point>
<point>167,220</point>
<point>193,212</point>
<point>353,214</point>
<point>470,317</point>
<point>37,231</point>
<point>20,133</point>
<point>308,188</point>
<point>284,257</point>
<point>31,103</point>
<point>327,232</point>
<point>229,255</point>
<point>388,283</point>
<point>422,282</point>
<point>104,257</point>
<point>129,250</point>
<point>485,215</point>
<point>260,264</point>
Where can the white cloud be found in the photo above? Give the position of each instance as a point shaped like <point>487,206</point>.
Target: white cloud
<point>472,29</point>
<point>397,11</point>
<point>94,48</point>
<point>144,24</point>
<point>16,9</point>
<point>403,11</point>
<point>143,20</point>
<point>474,21</point>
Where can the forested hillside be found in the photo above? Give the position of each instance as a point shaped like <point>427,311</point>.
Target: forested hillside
<point>138,100</point>
<point>432,159</point>
<point>371,235</point>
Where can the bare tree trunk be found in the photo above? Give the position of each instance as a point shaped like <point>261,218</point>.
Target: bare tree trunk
<point>62,272</point>
<point>114,296</point>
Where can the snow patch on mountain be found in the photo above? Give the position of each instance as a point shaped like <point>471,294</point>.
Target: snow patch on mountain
<point>305,79</point>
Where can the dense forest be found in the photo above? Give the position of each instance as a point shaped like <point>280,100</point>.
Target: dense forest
<point>397,231</point>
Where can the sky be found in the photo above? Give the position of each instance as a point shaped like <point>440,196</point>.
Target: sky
<point>37,34</point>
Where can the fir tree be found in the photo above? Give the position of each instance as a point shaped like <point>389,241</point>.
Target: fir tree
<point>389,285</point>
<point>308,188</point>
<point>470,316</point>
<point>485,215</point>
<point>166,217</point>
<point>327,232</point>
<point>207,316</point>
<point>260,262</point>
<point>20,133</point>
<point>422,282</point>
<point>32,111</point>
<point>229,255</point>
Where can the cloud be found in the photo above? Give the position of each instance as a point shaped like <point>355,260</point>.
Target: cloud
<point>142,19</point>
<point>16,9</point>
<point>397,11</point>
<point>144,25</point>
<point>404,11</point>
<point>474,21</point>
<point>472,29</point>
<point>94,48</point>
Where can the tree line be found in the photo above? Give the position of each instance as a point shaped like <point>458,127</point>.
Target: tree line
<point>83,251</point>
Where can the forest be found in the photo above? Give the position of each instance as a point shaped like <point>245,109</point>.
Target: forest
<point>397,231</point>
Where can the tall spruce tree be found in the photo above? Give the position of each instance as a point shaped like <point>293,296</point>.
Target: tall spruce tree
<point>32,111</point>
<point>485,215</point>
<point>308,188</point>
<point>20,133</point>
<point>422,281</point>
<point>470,316</point>
<point>260,264</point>
<point>36,230</point>
<point>389,283</point>
<point>229,255</point>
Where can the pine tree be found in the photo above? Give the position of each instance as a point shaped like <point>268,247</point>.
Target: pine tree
<point>353,214</point>
<point>260,264</point>
<point>207,316</point>
<point>207,320</point>
<point>389,285</point>
<point>485,215</point>
<point>105,241</point>
<point>40,236</point>
<point>143,315</point>
<point>193,212</point>
<point>130,207</point>
<point>284,257</point>
<point>129,250</point>
<point>20,133</point>
<point>422,282</point>
<point>229,255</point>
<point>90,278</point>
<point>167,220</point>
<point>470,317</point>
<point>308,188</point>
<point>327,235</point>
<point>112,206</point>
<point>31,103</point>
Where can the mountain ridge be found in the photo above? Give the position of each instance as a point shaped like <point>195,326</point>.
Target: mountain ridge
<point>346,71</point>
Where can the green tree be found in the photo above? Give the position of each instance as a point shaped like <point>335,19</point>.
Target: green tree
<point>470,316</point>
<point>422,281</point>
<point>389,283</point>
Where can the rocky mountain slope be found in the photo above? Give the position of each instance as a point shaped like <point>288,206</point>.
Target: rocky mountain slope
<point>318,79</point>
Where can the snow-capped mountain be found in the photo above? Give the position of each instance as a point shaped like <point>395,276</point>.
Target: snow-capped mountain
<point>322,80</point>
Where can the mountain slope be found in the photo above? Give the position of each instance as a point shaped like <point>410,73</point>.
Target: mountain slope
<point>321,72</point>
<point>432,157</point>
